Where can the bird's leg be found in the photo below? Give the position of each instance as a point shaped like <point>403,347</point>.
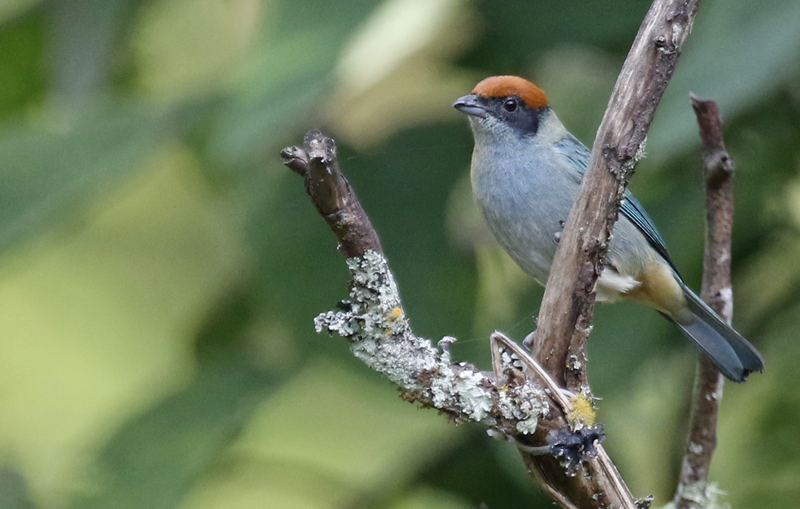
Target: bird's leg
<point>527,342</point>
<point>557,235</point>
<point>573,443</point>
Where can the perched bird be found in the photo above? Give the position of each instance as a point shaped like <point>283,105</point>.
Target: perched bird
<point>526,171</point>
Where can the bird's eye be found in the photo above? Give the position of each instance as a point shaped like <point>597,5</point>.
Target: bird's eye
<point>510,105</point>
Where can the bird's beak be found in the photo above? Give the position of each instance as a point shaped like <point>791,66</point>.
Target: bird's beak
<point>471,105</point>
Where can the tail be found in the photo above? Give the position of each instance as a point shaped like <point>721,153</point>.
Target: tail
<point>734,356</point>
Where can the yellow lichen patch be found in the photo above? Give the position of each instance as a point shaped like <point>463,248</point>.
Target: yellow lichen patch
<point>582,413</point>
<point>660,290</point>
<point>393,317</point>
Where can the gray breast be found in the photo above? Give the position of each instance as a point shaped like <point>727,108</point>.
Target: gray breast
<point>525,211</point>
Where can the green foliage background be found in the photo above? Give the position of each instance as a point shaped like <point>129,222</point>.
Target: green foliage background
<point>160,269</point>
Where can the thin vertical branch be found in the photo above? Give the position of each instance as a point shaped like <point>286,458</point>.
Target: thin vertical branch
<point>717,292</point>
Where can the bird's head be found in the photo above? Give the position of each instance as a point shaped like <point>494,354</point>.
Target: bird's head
<point>504,105</point>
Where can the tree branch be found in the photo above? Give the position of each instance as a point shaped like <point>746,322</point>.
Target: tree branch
<point>331,194</point>
<point>375,324</point>
<point>507,402</point>
<point>565,315</point>
<point>717,292</point>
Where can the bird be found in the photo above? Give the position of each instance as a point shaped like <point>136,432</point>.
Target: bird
<point>526,171</point>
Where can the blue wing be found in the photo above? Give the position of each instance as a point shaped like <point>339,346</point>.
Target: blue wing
<point>633,210</point>
<point>578,155</point>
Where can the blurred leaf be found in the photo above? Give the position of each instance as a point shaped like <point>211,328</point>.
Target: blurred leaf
<point>22,47</point>
<point>516,33</point>
<point>286,74</point>
<point>11,8</point>
<point>484,471</point>
<point>739,54</point>
<point>426,498</point>
<point>249,483</point>
<point>578,81</point>
<point>82,37</point>
<point>321,428</point>
<point>153,460</point>
<point>189,48</point>
<point>756,460</point>
<point>649,413</point>
<point>46,171</point>
<point>96,320</point>
<point>13,490</point>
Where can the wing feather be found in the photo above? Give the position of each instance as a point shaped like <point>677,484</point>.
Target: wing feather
<point>577,153</point>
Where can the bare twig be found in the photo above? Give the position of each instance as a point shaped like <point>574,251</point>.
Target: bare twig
<point>331,194</point>
<point>565,315</point>
<point>717,292</point>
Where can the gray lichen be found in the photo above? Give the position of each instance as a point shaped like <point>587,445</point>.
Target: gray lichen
<point>374,323</point>
<point>702,494</point>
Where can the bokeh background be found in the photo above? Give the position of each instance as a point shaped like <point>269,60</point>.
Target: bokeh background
<point>160,269</point>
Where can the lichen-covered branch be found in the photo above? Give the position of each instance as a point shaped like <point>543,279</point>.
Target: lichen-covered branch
<point>374,323</point>
<point>565,314</point>
<point>693,489</point>
<point>560,447</point>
